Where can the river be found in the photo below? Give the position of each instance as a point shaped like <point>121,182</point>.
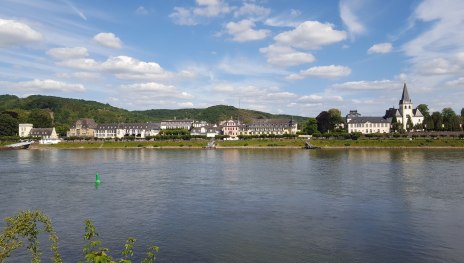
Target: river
<point>247,205</point>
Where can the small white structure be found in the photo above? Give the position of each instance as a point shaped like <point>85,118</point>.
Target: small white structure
<point>25,129</point>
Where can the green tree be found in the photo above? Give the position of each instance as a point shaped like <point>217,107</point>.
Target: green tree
<point>448,116</point>
<point>40,118</point>
<point>424,109</point>
<point>310,127</point>
<point>323,122</point>
<point>335,118</point>
<point>462,112</point>
<point>409,124</point>
<point>437,120</point>
<point>8,125</point>
<point>395,125</point>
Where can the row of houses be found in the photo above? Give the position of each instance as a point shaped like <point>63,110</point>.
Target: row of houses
<point>231,128</point>
<point>47,135</point>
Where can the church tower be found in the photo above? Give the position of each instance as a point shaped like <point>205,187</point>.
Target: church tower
<point>405,107</point>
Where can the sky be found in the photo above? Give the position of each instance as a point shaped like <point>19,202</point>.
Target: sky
<point>297,57</point>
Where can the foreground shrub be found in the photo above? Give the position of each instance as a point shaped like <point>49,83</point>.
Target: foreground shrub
<point>23,226</point>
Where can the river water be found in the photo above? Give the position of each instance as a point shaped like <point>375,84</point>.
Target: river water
<point>247,205</point>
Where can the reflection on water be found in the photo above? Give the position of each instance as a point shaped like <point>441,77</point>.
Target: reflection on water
<point>248,205</point>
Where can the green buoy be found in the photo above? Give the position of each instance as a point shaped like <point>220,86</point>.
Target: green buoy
<point>97,178</point>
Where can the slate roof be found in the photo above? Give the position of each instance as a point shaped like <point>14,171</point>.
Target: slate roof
<point>270,123</point>
<point>405,97</point>
<point>370,119</point>
<point>41,131</point>
<point>85,123</point>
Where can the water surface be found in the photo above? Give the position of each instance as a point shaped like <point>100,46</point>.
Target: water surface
<point>231,205</point>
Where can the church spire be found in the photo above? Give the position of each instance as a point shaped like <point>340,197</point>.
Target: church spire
<point>405,97</point>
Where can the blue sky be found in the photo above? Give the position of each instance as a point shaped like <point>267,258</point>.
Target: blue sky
<point>297,57</point>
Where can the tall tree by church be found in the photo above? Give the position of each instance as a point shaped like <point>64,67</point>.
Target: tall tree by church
<point>450,120</point>
<point>310,127</point>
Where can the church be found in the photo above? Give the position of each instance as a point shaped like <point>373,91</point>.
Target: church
<point>357,123</point>
<point>406,110</point>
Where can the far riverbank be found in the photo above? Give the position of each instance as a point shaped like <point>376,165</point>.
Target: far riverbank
<point>262,143</point>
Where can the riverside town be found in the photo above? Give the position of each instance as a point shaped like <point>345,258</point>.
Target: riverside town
<point>405,121</point>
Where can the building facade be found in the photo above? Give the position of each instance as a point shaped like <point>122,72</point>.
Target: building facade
<point>176,124</point>
<point>121,130</point>
<point>25,129</point>
<point>83,128</point>
<point>368,125</point>
<point>270,126</point>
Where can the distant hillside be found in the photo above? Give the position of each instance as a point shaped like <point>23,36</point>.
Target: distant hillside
<point>214,114</point>
<point>67,111</point>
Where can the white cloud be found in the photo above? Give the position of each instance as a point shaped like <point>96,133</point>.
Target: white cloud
<point>204,8</point>
<point>68,53</point>
<point>435,52</point>
<point>365,85</point>
<point>249,9</point>
<point>141,11</point>
<point>88,64</point>
<point>311,35</point>
<point>125,67</point>
<point>286,56</point>
<point>382,48</point>
<point>81,75</point>
<point>351,21</point>
<point>243,31</point>
<point>38,85</point>
<point>108,40</point>
<point>247,67</point>
<point>332,71</point>
<point>319,98</point>
<point>456,82</point>
<point>13,33</point>
<point>157,90</point>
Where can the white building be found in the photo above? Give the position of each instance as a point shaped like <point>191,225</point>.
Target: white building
<point>120,130</point>
<point>367,125</point>
<point>406,110</point>
<point>176,124</point>
<point>25,129</point>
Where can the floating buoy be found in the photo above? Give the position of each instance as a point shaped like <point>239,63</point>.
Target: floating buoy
<point>97,178</point>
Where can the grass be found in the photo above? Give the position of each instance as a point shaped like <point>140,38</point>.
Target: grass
<point>264,143</point>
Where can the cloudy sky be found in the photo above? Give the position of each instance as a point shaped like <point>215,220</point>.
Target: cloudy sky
<point>296,56</point>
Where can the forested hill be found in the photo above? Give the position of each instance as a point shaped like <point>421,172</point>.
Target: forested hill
<point>67,111</point>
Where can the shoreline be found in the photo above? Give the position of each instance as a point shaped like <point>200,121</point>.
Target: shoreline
<point>252,148</point>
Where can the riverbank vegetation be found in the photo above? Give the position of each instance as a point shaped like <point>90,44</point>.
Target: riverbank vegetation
<point>25,227</point>
<point>351,141</point>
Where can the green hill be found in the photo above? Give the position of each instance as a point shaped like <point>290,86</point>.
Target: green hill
<point>67,111</point>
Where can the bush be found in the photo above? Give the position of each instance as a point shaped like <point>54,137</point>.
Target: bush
<point>23,226</point>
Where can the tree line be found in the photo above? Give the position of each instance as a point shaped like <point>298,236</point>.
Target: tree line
<point>332,121</point>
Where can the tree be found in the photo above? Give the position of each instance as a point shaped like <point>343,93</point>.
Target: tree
<point>424,109</point>
<point>437,120</point>
<point>8,125</point>
<point>335,118</point>
<point>310,127</point>
<point>395,125</point>
<point>462,112</point>
<point>409,124</point>
<point>323,121</point>
<point>448,116</point>
<point>40,118</point>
